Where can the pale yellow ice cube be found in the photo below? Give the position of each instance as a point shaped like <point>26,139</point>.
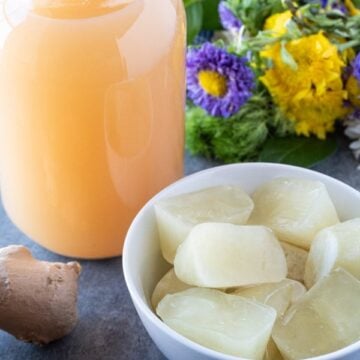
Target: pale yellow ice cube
<point>296,259</point>
<point>169,284</point>
<point>176,216</point>
<point>218,255</point>
<point>222,322</point>
<point>277,295</point>
<point>326,319</point>
<point>336,246</point>
<point>296,209</point>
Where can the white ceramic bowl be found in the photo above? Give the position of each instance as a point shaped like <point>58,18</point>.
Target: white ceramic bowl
<point>144,265</point>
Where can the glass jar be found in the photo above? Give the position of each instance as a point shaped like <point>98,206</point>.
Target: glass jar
<point>91,116</point>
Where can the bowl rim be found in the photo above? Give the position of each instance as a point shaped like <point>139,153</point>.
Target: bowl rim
<point>145,309</point>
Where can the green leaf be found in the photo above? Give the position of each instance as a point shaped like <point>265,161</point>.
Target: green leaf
<point>211,15</point>
<point>237,138</point>
<point>287,57</point>
<point>190,2</point>
<point>298,151</point>
<point>194,17</point>
<point>253,13</point>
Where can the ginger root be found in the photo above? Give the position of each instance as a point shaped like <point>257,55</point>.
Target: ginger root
<point>38,299</point>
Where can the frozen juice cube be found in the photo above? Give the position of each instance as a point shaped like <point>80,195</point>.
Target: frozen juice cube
<point>326,319</point>
<point>295,209</point>
<point>277,295</point>
<point>336,246</point>
<point>219,255</point>
<point>176,216</point>
<point>169,284</point>
<point>296,259</point>
<point>222,322</point>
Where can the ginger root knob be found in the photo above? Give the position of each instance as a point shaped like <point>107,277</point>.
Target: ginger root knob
<point>38,299</point>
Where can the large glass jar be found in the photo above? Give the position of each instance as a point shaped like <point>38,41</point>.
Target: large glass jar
<point>91,116</point>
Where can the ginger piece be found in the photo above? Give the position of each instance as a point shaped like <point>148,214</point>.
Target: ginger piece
<point>38,299</point>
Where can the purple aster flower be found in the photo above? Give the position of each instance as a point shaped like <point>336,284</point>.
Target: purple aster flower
<point>339,5</point>
<point>356,66</point>
<point>228,19</point>
<point>217,81</point>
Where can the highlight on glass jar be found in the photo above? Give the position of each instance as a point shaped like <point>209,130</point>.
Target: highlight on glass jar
<point>92,101</point>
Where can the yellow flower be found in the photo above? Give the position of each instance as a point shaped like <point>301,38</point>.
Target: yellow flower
<point>277,23</point>
<point>353,88</point>
<point>213,83</point>
<point>352,8</point>
<point>348,55</point>
<point>311,95</point>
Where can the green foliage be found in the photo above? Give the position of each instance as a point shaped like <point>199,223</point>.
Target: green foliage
<point>230,140</point>
<point>278,123</point>
<point>201,14</point>
<point>211,15</point>
<point>287,57</point>
<point>187,3</point>
<point>298,151</point>
<point>240,137</point>
<point>253,13</point>
<point>343,30</point>
<point>194,18</point>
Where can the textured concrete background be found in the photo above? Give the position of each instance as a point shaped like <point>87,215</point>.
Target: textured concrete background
<point>108,327</point>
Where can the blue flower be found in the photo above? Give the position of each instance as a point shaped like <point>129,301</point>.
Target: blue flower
<point>356,66</point>
<point>228,19</point>
<point>217,81</point>
<point>334,4</point>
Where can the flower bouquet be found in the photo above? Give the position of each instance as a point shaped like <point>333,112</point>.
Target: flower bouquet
<point>275,83</point>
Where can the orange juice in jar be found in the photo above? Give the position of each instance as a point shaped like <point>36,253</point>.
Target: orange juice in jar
<point>91,116</point>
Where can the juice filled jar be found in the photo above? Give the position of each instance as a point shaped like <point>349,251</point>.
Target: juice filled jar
<point>91,116</point>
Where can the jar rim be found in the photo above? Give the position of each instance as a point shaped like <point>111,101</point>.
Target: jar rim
<point>60,9</point>
<point>77,3</point>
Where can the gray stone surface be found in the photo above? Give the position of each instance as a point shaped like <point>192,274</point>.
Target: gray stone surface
<point>108,327</point>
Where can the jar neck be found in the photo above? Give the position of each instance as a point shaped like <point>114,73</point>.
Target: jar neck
<point>77,8</point>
